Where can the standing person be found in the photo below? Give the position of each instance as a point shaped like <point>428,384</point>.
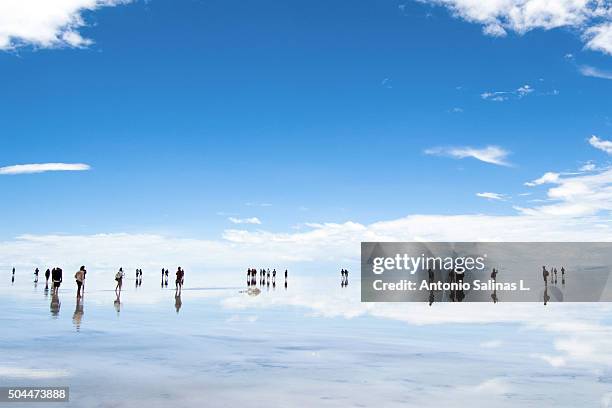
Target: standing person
<point>36,275</point>
<point>180,274</point>
<point>47,275</point>
<point>286,274</point>
<point>494,275</point>
<point>119,278</point>
<point>13,278</point>
<point>274,275</point>
<point>430,275</point>
<point>342,275</point>
<point>545,275</point>
<point>56,278</point>
<point>346,276</point>
<point>79,277</point>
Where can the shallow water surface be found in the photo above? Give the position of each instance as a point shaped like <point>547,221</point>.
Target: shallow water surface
<point>312,344</point>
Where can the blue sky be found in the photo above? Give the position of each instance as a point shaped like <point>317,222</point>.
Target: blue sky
<point>292,112</point>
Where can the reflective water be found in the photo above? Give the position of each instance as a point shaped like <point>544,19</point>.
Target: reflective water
<point>312,344</point>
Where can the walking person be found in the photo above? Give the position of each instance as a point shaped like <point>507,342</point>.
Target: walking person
<point>119,278</point>
<point>286,274</point>
<point>47,275</point>
<point>36,275</point>
<point>56,278</point>
<point>79,277</point>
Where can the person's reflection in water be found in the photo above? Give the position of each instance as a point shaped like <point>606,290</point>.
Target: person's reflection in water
<point>494,295</point>
<point>432,298</point>
<point>55,304</point>
<point>178,303</point>
<point>460,294</point>
<point>77,317</point>
<point>546,297</point>
<point>285,285</point>
<point>117,303</point>
<point>46,290</point>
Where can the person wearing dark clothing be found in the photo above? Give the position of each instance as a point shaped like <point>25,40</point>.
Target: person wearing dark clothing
<point>56,278</point>
<point>47,275</point>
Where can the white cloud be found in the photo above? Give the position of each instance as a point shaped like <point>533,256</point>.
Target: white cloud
<point>252,220</point>
<point>601,144</point>
<point>550,177</point>
<point>599,38</point>
<point>46,24</point>
<point>592,18</point>
<point>42,168</point>
<point>489,154</point>
<point>492,196</point>
<point>590,71</point>
<point>575,195</point>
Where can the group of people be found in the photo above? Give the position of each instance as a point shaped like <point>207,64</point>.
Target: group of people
<point>164,277</point>
<point>265,277</point>
<point>138,277</point>
<point>344,274</point>
<point>553,275</point>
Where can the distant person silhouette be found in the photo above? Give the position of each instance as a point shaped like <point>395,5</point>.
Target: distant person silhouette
<point>56,278</point>
<point>494,275</point>
<point>286,274</point>
<point>430,276</point>
<point>119,279</point>
<point>36,275</point>
<point>13,277</point>
<point>545,275</point>
<point>79,277</point>
<point>47,276</point>
<point>180,277</point>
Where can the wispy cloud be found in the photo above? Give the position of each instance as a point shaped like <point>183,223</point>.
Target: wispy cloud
<point>488,154</point>
<point>501,96</point>
<point>46,24</point>
<point>492,196</point>
<point>42,168</point>
<point>605,145</point>
<point>250,204</point>
<point>594,72</point>
<point>252,220</point>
